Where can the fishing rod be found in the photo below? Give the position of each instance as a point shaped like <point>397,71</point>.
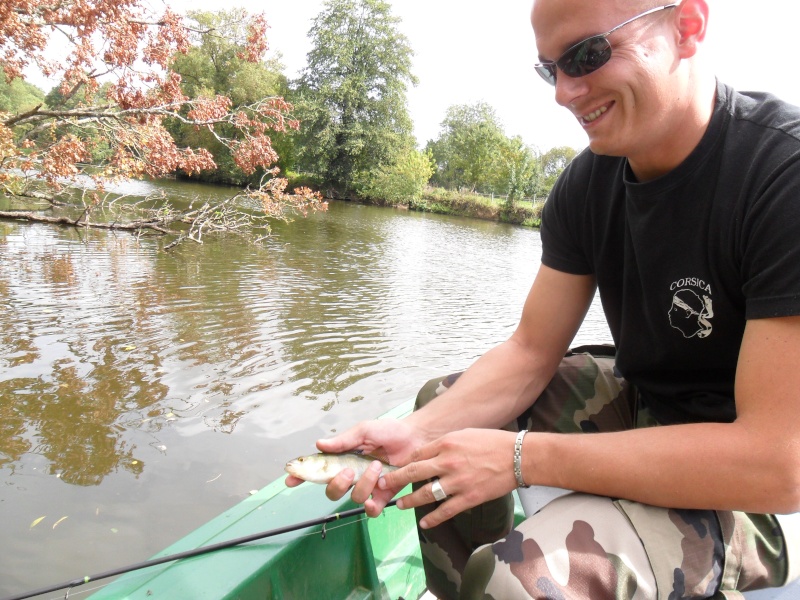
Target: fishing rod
<point>196,552</point>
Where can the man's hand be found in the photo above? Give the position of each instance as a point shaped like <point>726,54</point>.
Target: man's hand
<point>473,466</point>
<point>392,438</point>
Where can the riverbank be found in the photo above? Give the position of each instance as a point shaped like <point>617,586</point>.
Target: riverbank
<point>437,200</point>
<point>527,212</point>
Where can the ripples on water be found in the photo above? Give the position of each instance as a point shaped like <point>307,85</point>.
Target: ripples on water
<point>142,393</point>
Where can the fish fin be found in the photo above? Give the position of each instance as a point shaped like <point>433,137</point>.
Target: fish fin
<point>378,454</point>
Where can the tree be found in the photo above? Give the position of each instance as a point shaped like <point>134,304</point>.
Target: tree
<point>18,95</point>
<point>117,89</point>
<point>216,64</point>
<point>351,96</point>
<point>554,161</point>
<point>520,173</point>
<point>401,182</point>
<point>469,149</point>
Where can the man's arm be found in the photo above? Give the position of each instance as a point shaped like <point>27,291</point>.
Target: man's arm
<point>494,390</point>
<point>752,464</point>
<point>506,380</point>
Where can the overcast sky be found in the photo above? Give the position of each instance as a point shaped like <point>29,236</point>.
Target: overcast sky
<point>468,51</point>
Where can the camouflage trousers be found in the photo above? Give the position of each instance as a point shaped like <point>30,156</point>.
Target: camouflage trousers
<point>581,546</point>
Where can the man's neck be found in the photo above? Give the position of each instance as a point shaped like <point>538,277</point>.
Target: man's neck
<point>688,129</point>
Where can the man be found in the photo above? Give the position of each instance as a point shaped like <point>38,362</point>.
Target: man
<point>684,213</point>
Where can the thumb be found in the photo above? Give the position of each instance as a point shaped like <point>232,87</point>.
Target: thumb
<point>349,440</point>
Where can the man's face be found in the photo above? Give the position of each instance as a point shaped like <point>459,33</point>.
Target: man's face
<point>627,106</point>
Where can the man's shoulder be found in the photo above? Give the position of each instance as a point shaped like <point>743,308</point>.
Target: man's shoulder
<point>762,111</point>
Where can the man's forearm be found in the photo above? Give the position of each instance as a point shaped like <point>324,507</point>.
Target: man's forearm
<point>705,465</point>
<point>490,394</point>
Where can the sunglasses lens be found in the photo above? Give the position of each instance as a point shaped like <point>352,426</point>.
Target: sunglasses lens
<point>547,72</point>
<point>586,57</point>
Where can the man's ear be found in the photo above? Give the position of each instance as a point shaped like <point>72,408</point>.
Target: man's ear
<point>691,18</point>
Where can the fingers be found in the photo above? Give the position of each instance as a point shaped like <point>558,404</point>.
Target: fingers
<point>292,481</point>
<point>411,473</point>
<point>419,497</point>
<point>445,511</point>
<point>365,490</point>
<point>339,485</point>
<point>366,484</point>
<point>375,505</point>
<point>368,493</point>
<point>348,440</point>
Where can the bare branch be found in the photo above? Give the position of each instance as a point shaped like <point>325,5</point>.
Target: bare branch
<point>22,116</point>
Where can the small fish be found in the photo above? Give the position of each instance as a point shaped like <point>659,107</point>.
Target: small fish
<point>322,467</point>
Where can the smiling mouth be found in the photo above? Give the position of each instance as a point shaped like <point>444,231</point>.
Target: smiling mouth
<point>593,116</point>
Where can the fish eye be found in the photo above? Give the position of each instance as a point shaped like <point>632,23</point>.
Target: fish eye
<point>300,459</point>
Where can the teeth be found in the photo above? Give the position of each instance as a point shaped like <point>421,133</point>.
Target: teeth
<point>593,115</point>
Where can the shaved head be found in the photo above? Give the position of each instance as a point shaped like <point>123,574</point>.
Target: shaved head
<point>648,99</point>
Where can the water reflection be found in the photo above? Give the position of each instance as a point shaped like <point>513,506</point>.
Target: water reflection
<point>142,393</point>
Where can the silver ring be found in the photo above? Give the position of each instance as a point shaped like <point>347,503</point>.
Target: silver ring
<point>438,493</point>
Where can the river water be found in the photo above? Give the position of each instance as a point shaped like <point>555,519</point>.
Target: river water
<point>143,393</point>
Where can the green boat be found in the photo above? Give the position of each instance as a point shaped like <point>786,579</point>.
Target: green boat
<point>354,558</point>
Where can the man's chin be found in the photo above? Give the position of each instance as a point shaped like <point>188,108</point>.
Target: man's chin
<point>602,147</point>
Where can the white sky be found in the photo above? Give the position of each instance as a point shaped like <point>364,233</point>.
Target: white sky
<point>468,51</point>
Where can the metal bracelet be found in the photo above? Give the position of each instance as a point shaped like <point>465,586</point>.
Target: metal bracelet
<point>518,459</point>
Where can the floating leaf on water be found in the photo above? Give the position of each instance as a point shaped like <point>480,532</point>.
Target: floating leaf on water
<point>36,522</point>
<point>57,522</point>
<point>129,348</point>
<point>114,530</point>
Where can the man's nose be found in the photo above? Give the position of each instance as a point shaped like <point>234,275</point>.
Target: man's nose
<point>568,89</point>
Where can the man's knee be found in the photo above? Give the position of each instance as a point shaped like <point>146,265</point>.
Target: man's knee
<point>581,547</point>
<point>434,388</point>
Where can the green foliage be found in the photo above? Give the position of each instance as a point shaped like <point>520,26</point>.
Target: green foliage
<point>98,146</point>
<point>300,180</point>
<point>519,172</point>
<point>18,96</point>
<point>468,204</point>
<point>401,182</point>
<point>351,97</point>
<point>213,65</point>
<point>469,150</point>
<point>554,161</point>
<point>473,153</point>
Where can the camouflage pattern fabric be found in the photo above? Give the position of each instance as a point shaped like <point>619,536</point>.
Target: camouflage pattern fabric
<point>581,546</point>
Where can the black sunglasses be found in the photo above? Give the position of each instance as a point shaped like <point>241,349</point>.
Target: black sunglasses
<point>587,56</point>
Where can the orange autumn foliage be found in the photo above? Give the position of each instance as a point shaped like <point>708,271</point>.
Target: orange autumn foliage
<point>112,62</point>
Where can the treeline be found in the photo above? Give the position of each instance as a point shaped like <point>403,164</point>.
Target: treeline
<point>355,139</point>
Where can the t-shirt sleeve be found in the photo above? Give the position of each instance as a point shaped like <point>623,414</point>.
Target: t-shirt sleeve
<point>770,245</point>
<point>562,231</point>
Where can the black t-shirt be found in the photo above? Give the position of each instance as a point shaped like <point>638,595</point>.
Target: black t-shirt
<point>683,261</point>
